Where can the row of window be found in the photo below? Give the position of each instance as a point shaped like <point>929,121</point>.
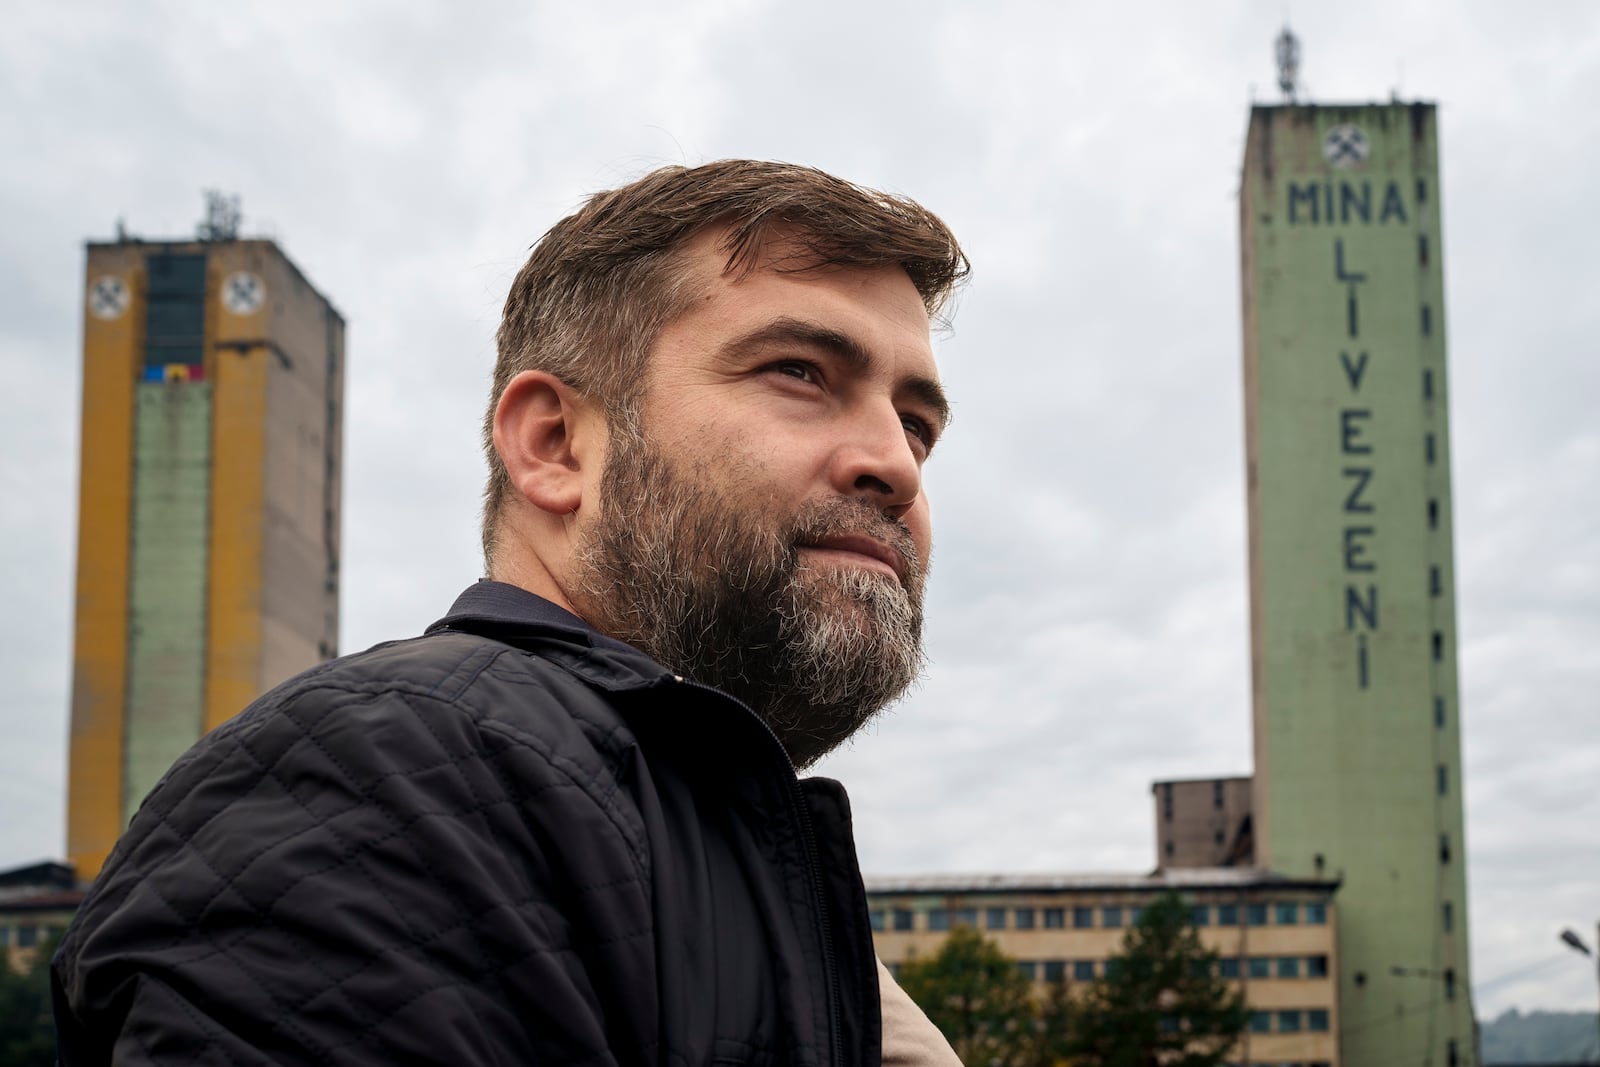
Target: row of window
<point>1289,1021</point>
<point>1283,913</point>
<point>1231,967</point>
<point>1273,967</point>
<point>24,935</point>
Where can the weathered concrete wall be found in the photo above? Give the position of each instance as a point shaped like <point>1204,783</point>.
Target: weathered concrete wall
<point>1358,768</point>
<point>113,323</point>
<point>167,587</point>
<point>209,514</point>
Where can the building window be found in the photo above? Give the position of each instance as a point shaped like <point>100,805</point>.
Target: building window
<point>1261,1022</point>
<point>1028,969</point>
<point>1317,1019</point>
<point>1083,970</point>
<point>894,970</point>
<point>1288,913</point>
<point>1216,795</point>
<point>1228,967</point>
<point>1260,967</point>
<point>1316,966</point>
<point>1449,983</point>
<point>877,916</point>
<point>967,917</point>
<point>1171,849</point>
<point>1444,780</point>
<point>1135,914</point>
<point>1427,321</point>
<point>1316,914</point>
<point>1227,915</point>
<point>1288,1022</point>
<point>1444,848</point>
<point>1447,916</point>
<point>1024,918</point>
<point>1433,514</point>
<point>1427,385</point>
<point>1255,914</point>
<point>27,935</point>
<point>1428,448</point>
<point>1438,712</point>
<point>902,918</point>
<point>938,919</point>
<point>1288,966</point>
<point>1217,839</point>
<point>1110,918</point>
<point>5,936</point>
<point>1082,918</point>
<point>1055,970</point>
<point>1438,647</point>
<point>1054,918</point>
<point>1452,1057</point>
<point>1166,801</point>
<point>995,918</point>
<point>1435,581</point>
<point>1200,915</point>
<point>1114,967</point>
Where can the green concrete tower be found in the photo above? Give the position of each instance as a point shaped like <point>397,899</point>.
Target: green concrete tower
<point>1352,608</point>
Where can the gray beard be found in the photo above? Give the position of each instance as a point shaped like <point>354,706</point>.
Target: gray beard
<point>704,586</point>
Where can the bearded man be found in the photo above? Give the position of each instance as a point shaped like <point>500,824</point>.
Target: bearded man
<point>565,825</point>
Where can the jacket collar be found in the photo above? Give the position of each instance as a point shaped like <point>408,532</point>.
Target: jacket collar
<point>514,616</point>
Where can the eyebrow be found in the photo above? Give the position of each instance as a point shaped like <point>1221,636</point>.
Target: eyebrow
<point>926,391</point>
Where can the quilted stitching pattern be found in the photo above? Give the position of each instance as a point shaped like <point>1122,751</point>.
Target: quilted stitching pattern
<point>375,860</point>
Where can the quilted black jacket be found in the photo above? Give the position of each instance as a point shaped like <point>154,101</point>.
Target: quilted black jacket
<point>510,841</point>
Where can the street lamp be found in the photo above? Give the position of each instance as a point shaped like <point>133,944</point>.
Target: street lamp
<point>1570,938</point>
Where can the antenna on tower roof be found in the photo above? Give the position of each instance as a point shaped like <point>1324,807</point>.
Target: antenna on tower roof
<point>1287,50</point>
<point>222,216</point>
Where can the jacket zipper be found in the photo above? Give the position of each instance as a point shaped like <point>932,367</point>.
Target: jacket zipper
<point>819,898</point>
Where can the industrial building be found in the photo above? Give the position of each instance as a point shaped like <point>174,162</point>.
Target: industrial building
<point>208,536</point>
<point>1276,938</point>
<point>1352,582</point>
<point>1204,822</point>
<point>36,903</point>
<point>1356,725</point>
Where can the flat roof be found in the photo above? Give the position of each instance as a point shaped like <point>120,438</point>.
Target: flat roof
<point>1178,878</point>
<point>201,244</point>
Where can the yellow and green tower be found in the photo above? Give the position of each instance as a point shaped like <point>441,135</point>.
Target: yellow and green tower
<point>1352,610</point>
<point>208,536</point>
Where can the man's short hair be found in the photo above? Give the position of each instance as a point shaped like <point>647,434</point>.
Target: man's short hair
<point>603,282</point>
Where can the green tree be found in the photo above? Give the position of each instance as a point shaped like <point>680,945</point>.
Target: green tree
<point>27,1028</point>
<point>1052,1026</point>
<point>1160,1001</point>
<point>979,1000</point>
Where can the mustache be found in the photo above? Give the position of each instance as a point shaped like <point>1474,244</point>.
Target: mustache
<point>850,517</point>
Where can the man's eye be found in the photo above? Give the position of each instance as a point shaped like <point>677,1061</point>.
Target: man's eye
<point>797,369</point>
<point>919,429</point>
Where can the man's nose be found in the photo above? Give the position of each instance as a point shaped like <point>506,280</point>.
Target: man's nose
<point>875,462</point>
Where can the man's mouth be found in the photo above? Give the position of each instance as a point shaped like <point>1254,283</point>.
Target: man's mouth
<point>861,550</point>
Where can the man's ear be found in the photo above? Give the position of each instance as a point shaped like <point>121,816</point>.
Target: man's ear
<point>543,431</point>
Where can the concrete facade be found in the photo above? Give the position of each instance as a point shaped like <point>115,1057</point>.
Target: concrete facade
<point>1204,822</point>
<point>208,547</point>
<point>1276,938</point>
<point>1357,739</point>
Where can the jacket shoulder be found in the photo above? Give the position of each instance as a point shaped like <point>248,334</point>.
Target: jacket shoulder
<point>396,830</point>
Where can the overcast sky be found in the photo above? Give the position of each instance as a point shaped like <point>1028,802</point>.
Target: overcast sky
<point>1087,618</point>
